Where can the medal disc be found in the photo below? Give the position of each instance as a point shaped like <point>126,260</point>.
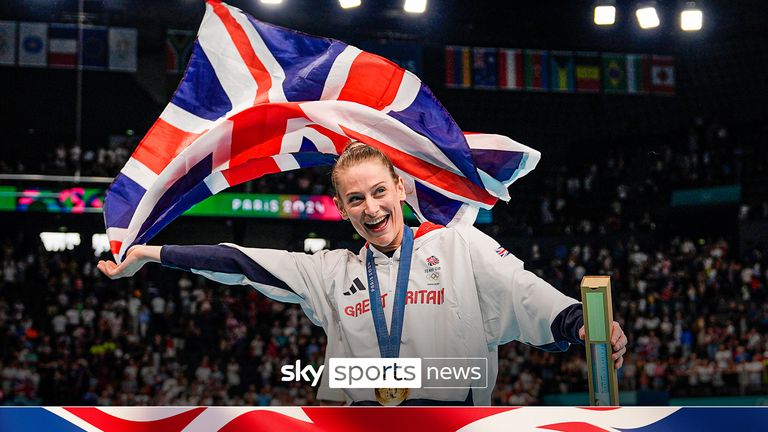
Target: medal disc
<point>391,396</point>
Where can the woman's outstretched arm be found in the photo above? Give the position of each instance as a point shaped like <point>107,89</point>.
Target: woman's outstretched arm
<point>280,275</point>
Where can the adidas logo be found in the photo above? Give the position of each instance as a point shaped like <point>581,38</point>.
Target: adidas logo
<point>357,285</point>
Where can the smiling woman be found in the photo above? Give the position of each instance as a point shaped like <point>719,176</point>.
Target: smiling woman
<point>369,194</point>
<point>465,294</point>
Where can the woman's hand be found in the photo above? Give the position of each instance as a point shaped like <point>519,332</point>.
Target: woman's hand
<point>618,340</point>
<point>134,260</point>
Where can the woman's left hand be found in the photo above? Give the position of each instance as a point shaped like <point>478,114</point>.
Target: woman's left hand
<point>618,340</point>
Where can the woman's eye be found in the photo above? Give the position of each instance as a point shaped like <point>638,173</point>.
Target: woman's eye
<point>380,190</point>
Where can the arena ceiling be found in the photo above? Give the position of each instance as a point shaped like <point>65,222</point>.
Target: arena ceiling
<point>548,24</point>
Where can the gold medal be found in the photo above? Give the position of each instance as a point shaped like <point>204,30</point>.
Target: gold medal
<point>391,396</point>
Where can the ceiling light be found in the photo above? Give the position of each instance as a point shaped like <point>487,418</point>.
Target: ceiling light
<point>647,16</point>
<point>415,6</point>
<point>691,17</point>
<point>346,4</point>
<point>605,12</point>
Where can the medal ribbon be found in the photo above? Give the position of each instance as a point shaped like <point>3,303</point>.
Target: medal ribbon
<point>389,341</point>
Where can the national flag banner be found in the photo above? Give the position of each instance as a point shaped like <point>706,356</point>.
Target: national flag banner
<point>638,73</point>
<point>258,99</point>
<point>7,42</point>
<point>510,69</point>
<point>95,48</point>
<point>587,72</point>
<point>122,49</point>
<point>561,71</point>
<point>663,75</point>
<point>378,419</point>
<point>614,73</point>
<point>458,67</point>
<point>536,70</point>
<point>485,71</point>
<point>33,44</point>
<point>178,48</point>
<point>62,45</point>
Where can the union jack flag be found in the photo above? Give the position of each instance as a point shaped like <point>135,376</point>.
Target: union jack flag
<point>433,261</point>
<point>258,99</point>
<point>322,419</point>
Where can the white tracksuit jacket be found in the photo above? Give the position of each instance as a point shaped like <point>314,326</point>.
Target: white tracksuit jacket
<point>466,296</point>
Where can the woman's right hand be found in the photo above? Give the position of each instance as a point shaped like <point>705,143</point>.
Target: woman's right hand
<point>134,260</point>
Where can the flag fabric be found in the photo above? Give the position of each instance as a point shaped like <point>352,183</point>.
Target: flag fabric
<point>536,69</point>
<point>178,48</point>
<point>62,45</point>
<point>485,71</point>
<point>7,42</point>
<point>561,72</point>
<point>587,72</point>
<point>258,99</point>
<point>122,49</point>
<point>33,44</point>
<point>510,69</point>
<point>458,67</point>
<point>663,75</point>
<point>95,48</point>
<point>614,73</point>
<point>638,73</point>
<point>376,419</point>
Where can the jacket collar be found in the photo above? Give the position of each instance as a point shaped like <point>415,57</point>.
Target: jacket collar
<point>382,258</point>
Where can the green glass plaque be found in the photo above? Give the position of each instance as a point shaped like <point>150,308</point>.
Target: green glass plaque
<point>598,316</point>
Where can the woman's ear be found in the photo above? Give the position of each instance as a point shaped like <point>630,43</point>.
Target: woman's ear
<point>400,187</point>
<point>340,207</point>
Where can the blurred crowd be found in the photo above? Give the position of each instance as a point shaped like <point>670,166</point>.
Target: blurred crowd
<point>694,313</point>
<point>69,160</point>
<point>70,336</point>
<point>614,187</point>
<point>694,309</point>
<point>626,186</point>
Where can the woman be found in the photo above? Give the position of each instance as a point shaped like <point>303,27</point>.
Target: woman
<point>461,294</point>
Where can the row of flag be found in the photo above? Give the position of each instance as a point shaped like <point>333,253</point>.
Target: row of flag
<point>35,44</point>
<point>558,71</point>
<point>101,48</point>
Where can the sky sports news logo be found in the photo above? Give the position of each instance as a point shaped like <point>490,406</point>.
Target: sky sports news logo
<point>393,372</point>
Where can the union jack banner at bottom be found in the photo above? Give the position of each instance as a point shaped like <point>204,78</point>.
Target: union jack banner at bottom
<point>370,419</point>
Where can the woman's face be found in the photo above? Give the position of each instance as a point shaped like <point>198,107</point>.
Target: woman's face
<point>370,198</point>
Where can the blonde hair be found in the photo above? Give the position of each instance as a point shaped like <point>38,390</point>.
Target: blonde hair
<point>355,153</point>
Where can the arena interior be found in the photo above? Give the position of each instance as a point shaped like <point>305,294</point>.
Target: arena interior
<point>665,189</point>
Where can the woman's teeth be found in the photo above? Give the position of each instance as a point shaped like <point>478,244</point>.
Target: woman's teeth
<point>377,223</point>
